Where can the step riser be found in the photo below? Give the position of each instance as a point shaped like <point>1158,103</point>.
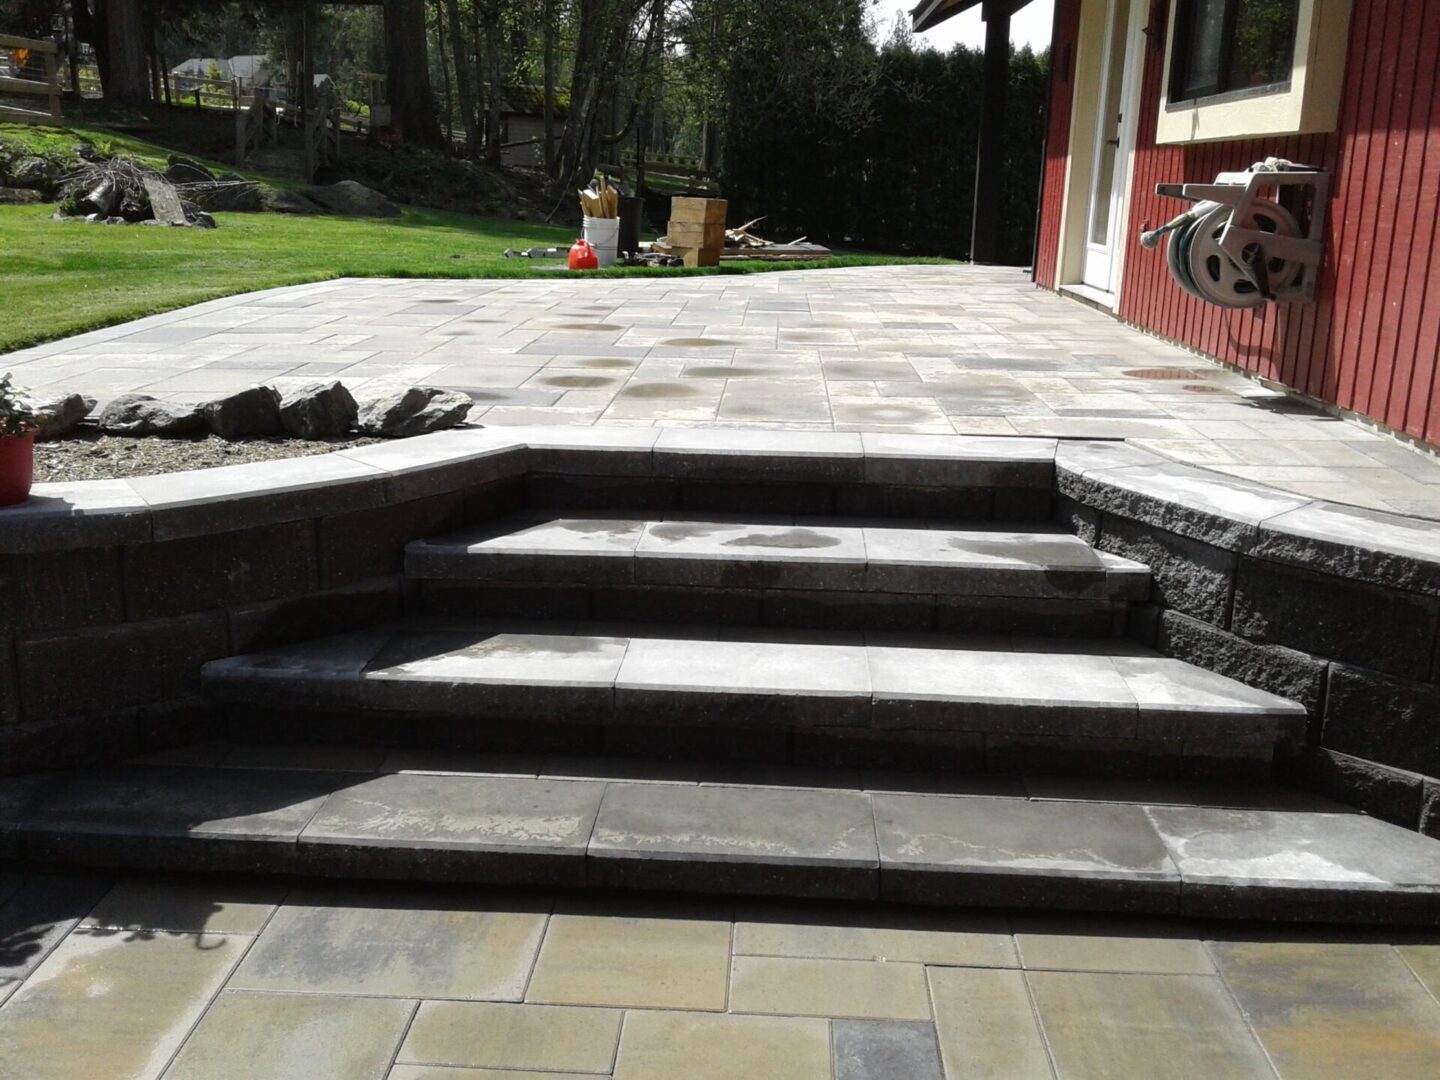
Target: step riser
<point>912,752</point>
<point>778,608</point>
<point>1023,498</point>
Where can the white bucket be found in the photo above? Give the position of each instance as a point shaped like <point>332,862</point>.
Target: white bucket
<point>603,235</point>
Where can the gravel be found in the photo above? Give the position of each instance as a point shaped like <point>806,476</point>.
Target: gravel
<point>89,455</point>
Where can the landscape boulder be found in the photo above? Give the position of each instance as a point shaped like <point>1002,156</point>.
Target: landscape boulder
<point>141,414</point>
<point>255,411</point>
<point>278,200</point>
<point>417,411</point>
<point>318,411</point>
<point>59,416</point>
<point>353,200</point>
<point>183,170</point>
<point>14,196</point>
<point>33,172</point>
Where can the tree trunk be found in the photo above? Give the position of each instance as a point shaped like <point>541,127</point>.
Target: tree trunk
<point>407,74</point>
<point>549,156</point>
<point>491,30</point>
<point>126,77</point>
<point>468,112</point>
<point>445,75</point>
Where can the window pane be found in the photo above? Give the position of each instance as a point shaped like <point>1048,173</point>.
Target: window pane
<point>1264,43</point>
<point>1206,34</point>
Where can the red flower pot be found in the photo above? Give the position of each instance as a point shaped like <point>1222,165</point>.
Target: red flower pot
<point>17,467</point>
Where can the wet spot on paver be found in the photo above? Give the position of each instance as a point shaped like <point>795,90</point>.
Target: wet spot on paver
<point>683,530</point>
<point>599,528</point>
<point>612,362</point>
<point>698,343</point>
<point>722,371</point>
<point>588,326</point>
<point>1164,373</point>
<point>658,390</point>
<point>509,644</point>
<point>890,414</point>
<point>578,382</point>
<point>1200,388</point>
<point>438,301</point>
<point>790,538</point>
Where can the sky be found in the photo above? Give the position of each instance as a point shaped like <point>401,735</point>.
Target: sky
<point>1028,26</point>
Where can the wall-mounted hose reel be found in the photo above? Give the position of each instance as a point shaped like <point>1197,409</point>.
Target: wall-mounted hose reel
<point>1241,243</point>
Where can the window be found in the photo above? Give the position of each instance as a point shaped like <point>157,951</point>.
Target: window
<point>1232,47</point>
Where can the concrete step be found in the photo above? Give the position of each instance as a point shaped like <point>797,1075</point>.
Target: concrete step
<point>793,554</point>
<point>1260,853</point>
<point>478,676</point>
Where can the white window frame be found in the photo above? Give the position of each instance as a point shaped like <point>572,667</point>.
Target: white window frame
<point>1309,103</point>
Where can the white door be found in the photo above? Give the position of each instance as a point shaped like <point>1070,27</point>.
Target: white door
<point>1114,139</point>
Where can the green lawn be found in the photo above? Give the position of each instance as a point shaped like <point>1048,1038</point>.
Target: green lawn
<point>64,277</point>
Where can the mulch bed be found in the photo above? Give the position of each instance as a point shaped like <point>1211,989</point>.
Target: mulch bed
<point>89,455</point>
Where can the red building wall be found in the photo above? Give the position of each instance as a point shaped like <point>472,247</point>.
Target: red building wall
<point>1370,342</point>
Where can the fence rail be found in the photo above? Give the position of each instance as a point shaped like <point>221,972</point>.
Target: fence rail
<point>49,88</point>
<point>253,126</point>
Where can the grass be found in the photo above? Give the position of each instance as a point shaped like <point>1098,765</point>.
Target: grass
<point>65,277</point>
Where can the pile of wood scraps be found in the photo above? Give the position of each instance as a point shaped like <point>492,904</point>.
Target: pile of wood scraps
<point>601,199</point>
<point>741,243</point>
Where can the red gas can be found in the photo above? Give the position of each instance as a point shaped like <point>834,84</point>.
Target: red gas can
<point>583,257</point>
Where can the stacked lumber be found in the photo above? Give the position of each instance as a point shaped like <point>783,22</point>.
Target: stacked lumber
<point>696,232</point>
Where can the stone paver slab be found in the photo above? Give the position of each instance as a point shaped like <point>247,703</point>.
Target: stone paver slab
<point>1113,945</point>
<point>294,1037</point>
<point>737,555</point>
<point>866,1049</point>
<point>736,839</point>
<point>490,1035</point>
<point>478,828</point>
<point>1155,1026</point>
<point>638,963</point>
<point>108,1006</point>
<point>1328,1009</point>
<point>396,944</point>
<point>498,657</point>
<point>37,910</point>
<point>1293,864</point>
<point>863,989</point>
<point>702,1046</point>
<point>960,939</point>
<point>1010,851</point>
<point>986,1025</point>
<point>1424,960</point>
<point>181,905</point>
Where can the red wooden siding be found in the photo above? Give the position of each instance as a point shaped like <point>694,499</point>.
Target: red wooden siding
<point>1370,342</point>
<point>1057,138</point>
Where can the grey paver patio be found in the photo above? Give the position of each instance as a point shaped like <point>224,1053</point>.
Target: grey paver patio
<point>902,349</point>
<point>393,984</point>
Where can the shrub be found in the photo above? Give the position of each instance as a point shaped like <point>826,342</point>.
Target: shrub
<point>17,415</point>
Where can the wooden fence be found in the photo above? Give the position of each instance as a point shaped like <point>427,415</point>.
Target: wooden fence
<point>322,130</point>
<point>20,54</point>
<point>255,125</point>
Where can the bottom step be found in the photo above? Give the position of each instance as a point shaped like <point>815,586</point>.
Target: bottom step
<point>1266,853</point>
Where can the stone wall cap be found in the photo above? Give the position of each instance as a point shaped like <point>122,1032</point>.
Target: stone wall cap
<point>966,447</point>
<point>740,441</point>
<point>85,513</point>
<point>1369,545</point>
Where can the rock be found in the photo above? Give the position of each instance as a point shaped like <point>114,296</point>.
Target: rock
<point>10,196</point>
<point>201,220</point>
<point>353,200</point>
<point>141,414</point>
<point>240,198</point>
<point>318,411</point>
<point>231,178</point>
<point>59,415</point>
<point>255,411</point>
<point>277,200</point>
<point>32,172</point>
<point>417,411</point>
<point>184,170</point>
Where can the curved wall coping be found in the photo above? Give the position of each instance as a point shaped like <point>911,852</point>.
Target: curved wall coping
<point>1228,512</point>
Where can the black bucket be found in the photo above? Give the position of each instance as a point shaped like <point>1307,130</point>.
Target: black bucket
<point>632,213</point>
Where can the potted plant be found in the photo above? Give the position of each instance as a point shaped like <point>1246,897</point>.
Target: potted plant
<point>17,444</point>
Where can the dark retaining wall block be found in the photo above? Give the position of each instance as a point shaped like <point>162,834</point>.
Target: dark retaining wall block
<point>202,572</point>
<point>1393,721</point>
<point>9,683</point>
<point>1393,795</point>
<point>371,543</point>
<point>1190,576</point>
<point>59,744</point>
<point>1287,672</point>
<point>275,623</point>
<point>98,670</point>
<point>61,589</point>
<point>1377,627</point>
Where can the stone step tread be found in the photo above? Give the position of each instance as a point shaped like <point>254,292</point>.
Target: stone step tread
<point>836,680</point>
<point>1281,856</point>
<point>797,553</point>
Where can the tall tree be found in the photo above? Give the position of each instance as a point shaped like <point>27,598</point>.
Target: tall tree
<point>407,74</point>
<point>464,87</point>
<point>128,69</point>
